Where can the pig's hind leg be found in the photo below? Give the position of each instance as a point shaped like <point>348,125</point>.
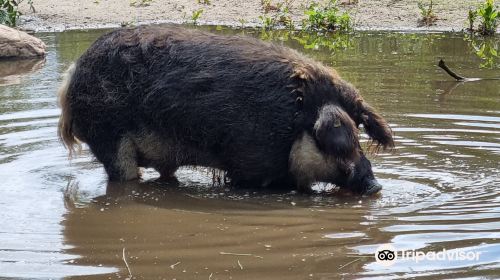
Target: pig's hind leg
<point>166,170</point>
<point>119,158</point>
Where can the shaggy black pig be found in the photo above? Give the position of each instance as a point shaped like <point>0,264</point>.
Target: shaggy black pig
<point>165,97</point>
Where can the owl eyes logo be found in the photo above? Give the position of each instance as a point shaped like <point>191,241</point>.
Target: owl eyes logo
<point>386,255</point>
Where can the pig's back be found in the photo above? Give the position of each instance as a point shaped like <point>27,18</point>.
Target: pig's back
<point>230,96</point>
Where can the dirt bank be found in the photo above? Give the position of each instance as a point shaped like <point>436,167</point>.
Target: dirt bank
<point>57,15</point>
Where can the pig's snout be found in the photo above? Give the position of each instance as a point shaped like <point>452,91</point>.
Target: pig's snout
<point>362,180</point>
<point>372,187</point>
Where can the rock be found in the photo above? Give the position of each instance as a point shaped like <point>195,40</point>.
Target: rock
<point>18,44</point>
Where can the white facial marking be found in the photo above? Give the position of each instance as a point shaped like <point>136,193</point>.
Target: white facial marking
<point>307,163</point>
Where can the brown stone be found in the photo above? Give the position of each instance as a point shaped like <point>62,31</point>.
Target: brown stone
<point>18,44</point>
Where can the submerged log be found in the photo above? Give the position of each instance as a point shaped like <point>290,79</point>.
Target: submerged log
<point>459,78</point>
<point>443,66</point>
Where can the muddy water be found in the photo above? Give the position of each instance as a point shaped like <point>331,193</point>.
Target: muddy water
<point>61,219</point>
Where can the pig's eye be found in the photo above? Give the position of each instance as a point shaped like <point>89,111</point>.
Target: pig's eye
<point>337,123</point>
<point>299,101</point>
<point>347,167</point>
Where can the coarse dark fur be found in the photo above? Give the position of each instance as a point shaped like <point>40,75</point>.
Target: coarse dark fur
<point>165,97</point>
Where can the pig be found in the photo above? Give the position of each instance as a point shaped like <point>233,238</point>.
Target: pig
<point>166,97</point>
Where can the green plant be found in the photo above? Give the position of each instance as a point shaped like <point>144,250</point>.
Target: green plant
<point>242,22</point>
<point>267,6</point>
<point>489,17</point>
<point>196,15</point>
<point>9,11</point>
<point>126,23</point>
<point>326,18</point>
<point>283,14</point>
<point>280,18</point>
<point>427,13</point>
<point>267,22</point>
<point>204,2</point>
<point>472,18</point>
<point>140,3</point>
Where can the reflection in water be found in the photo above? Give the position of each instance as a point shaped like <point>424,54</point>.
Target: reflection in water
<point>60,218</point>
<point>332,42</point>
<point>211,231</point>
<point>12,71</point>
<point>486,48</point>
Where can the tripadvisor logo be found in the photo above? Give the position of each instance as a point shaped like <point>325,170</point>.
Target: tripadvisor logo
<point>387,255</point>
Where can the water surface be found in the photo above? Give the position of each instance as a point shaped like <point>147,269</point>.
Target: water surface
<point>61,219</point>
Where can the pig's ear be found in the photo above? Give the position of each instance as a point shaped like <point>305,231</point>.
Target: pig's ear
<point>376,127</point>
<point>336,133</point>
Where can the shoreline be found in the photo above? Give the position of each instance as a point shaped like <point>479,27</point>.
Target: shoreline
<point>33,27</point>
<point>381,15</point>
